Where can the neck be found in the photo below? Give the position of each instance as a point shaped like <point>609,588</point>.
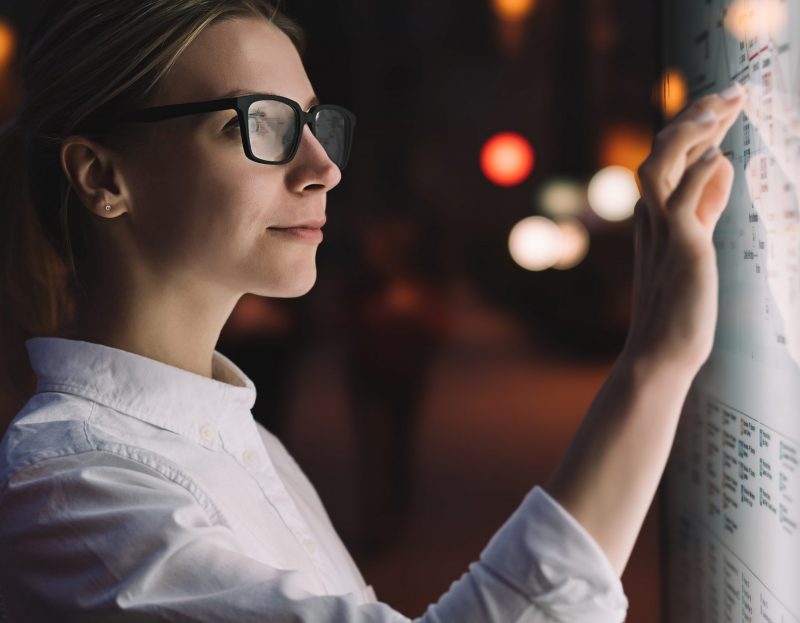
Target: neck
<point>177,326</point>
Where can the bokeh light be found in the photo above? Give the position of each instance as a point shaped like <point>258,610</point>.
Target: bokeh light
<point>574,243</point>
<point>561,197</point>
<point>672,92</point>
<point>613,193</point>
<point>513,10</point>
<point>8,42</point>
<point>747,20</point>
<point>507,159</point>
<point>535,243</point>
<point>625,145</point>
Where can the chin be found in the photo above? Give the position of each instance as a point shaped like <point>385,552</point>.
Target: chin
<point>299,285</point>
<point>301,291</point>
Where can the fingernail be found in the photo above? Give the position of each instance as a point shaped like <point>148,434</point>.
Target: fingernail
<point>709,153</point>
<point>732,92</point>
<point>707,116</point>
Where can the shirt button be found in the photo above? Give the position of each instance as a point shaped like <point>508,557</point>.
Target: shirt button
<point>206,432</point>
<point>310,546</point>
<point>250,458</point>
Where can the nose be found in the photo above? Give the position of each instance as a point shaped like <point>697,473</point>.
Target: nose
<point>311,166</point>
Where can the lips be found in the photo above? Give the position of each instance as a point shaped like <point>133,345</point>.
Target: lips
<point>307,234</point>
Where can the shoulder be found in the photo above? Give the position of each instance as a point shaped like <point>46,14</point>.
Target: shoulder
<point>58,439</point>
<point>50,424</point>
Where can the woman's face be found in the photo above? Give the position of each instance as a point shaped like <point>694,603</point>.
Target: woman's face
<point>199,210</point>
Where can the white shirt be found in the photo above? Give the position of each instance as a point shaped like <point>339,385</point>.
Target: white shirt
<point>130,485</point>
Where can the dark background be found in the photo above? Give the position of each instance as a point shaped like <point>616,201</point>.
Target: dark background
<point>489,380</point>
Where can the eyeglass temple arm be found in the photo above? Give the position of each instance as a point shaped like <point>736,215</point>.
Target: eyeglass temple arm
<point>159,113</point>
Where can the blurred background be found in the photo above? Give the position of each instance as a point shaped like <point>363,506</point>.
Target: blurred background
<point>474,285</point>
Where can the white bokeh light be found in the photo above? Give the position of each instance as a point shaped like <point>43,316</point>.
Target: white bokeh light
<point>574,243</point>
<point>613,193</point>
<point>561,197</point>
<point>535,243</point>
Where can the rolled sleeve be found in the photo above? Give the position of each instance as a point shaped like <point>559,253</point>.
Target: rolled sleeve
<point>108,538</point>
<point>551,560</point>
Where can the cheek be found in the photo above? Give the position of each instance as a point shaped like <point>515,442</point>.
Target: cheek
<point>206,205</point>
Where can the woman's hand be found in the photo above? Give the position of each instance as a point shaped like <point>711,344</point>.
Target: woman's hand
<point>685,184</point>
<point>611,471</point>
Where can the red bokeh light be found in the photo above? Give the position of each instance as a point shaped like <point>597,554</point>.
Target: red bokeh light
<point>507,159</point>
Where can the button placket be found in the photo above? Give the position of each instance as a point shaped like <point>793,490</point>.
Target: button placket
<point>275,491</point>
<point>259,467</point>
<point>258,462</point>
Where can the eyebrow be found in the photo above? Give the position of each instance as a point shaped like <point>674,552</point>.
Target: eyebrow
<point>237,92</point>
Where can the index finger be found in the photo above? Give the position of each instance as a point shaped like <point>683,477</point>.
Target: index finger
<point>679,144</point>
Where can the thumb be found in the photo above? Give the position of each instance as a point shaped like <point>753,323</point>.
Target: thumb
<point>715,194</point>
<point>703,192</point>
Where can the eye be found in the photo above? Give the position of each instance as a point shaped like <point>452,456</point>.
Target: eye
<point>231,123</point>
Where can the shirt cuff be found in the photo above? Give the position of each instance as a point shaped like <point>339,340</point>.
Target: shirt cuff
<point>548,556</point>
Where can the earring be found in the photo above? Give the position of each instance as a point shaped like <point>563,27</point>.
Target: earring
<point>108,208</point>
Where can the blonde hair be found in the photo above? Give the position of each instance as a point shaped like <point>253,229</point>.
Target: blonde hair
<point>84,60</point>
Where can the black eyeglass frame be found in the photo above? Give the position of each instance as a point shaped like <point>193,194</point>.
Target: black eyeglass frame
<point>241,105</point>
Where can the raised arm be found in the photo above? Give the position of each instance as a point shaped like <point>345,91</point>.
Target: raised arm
<point>110,536</point>
<point>610,473</point>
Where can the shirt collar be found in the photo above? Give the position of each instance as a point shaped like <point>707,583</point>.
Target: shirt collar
<point>161,394</point>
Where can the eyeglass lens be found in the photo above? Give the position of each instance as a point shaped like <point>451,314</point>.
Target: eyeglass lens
<point>271,125</point>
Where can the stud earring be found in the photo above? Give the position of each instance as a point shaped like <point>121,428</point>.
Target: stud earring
<point>108,208</point>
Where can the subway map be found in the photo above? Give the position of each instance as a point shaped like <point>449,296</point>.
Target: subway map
<point>731,508</point>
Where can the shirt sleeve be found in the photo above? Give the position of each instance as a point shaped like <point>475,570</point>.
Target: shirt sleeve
<point>100,537</point>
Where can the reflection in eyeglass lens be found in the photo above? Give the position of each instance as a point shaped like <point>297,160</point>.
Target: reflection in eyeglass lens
<point>271,128</point>
<point>330,131</point>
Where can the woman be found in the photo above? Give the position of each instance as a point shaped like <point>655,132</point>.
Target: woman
<point>135,480</point>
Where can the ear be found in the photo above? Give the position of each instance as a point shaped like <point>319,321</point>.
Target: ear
<point>95,175</point>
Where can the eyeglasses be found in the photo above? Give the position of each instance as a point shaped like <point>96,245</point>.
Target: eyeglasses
<point>272,125</point>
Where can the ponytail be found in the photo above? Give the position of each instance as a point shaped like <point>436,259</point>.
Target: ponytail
<point>34,294</point>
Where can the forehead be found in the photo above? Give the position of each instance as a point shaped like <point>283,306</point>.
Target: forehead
<point>242,53</point>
